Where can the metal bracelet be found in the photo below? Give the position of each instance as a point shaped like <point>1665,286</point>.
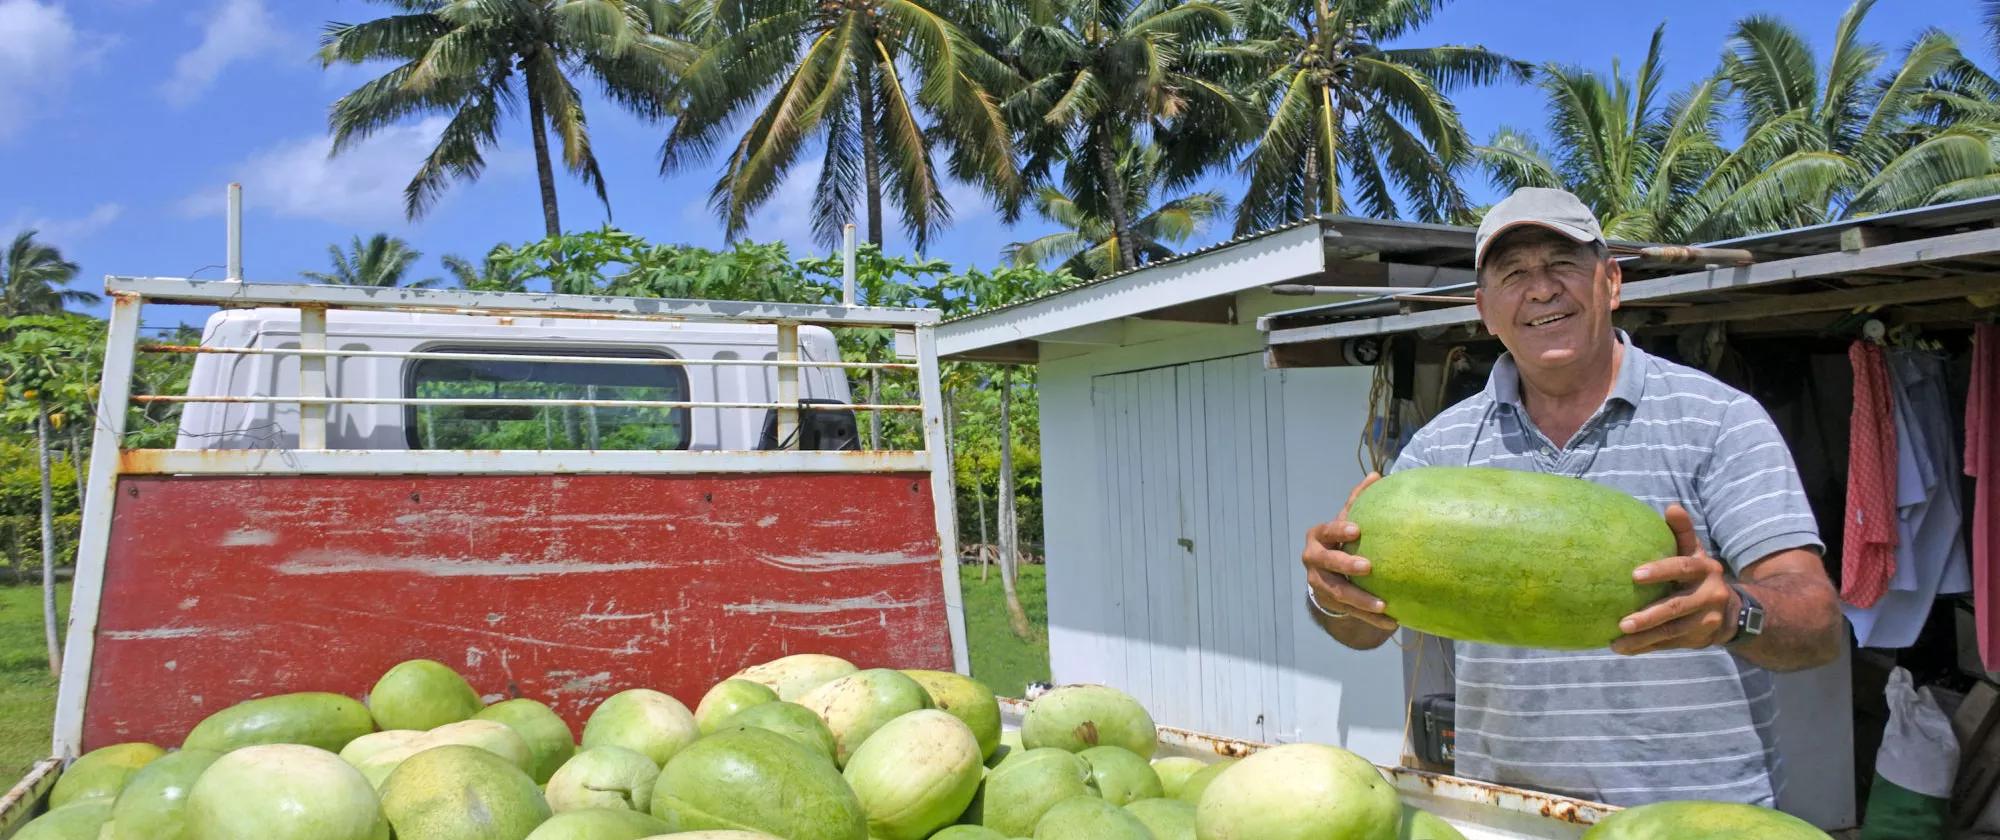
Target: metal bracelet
<point>1314,601</point>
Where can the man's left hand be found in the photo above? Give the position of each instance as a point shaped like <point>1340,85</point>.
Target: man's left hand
<point>1699,614</point>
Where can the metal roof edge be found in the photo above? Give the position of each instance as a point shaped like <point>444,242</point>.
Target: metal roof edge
<point>1169,261</point>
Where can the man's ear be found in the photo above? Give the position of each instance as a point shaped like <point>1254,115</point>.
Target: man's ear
<point>1479,305</point>
<point>1615,276</point>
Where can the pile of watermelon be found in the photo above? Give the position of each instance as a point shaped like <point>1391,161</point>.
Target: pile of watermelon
<point>806,747</point>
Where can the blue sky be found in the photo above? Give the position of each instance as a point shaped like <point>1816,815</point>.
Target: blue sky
<point>122,122</point>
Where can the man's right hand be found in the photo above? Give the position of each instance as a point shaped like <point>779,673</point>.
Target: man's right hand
<point>1329,569</point>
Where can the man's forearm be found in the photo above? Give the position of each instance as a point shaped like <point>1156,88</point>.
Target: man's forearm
<point>1802,623</point>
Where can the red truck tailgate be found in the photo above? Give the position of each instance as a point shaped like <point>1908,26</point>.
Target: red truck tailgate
<point>563,588</point>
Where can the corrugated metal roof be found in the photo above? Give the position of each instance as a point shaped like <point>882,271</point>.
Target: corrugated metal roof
<point>1815,239</point>
<point>1826,237</point>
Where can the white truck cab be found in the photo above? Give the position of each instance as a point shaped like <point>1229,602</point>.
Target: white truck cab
<point>268,425</point>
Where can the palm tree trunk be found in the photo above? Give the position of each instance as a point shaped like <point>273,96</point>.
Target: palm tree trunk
<point>1114,195</point>
<point>544,169</point>
<point>76,459</point>
<point>871,155</point>
<point>1010,539</point>
<point>48,545</point>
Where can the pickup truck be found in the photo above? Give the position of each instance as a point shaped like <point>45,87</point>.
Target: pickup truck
<point>558,496</point>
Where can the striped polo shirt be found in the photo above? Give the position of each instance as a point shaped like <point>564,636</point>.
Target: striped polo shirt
<point>1627,730</point>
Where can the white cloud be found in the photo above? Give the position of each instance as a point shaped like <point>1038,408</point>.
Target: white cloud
<point>62,232</point>
<point>40,49</point>
<point>237,30</point>
<point>361,187</point>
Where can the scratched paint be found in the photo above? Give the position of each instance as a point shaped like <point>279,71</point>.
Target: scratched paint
<point>877,601</point>
<point>828,561</point>
<point>249,536</point>
<point>527,584</point>
<point>343,561</point>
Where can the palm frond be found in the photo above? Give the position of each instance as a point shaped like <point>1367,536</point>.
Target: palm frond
<point>1914,176</point>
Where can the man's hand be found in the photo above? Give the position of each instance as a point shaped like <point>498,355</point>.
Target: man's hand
<point>1328,569</point>
<point>1700,613</point>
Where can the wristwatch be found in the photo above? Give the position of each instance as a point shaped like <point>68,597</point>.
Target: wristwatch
<point>1749,618</point>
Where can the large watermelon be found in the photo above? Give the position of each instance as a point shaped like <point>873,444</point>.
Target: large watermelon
<point>1697,820</point>
<point>1507,557</point>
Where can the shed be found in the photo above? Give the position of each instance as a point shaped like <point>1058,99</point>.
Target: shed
<point>1199,414</point>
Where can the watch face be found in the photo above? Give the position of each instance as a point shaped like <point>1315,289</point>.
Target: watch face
<point>1753,621</point>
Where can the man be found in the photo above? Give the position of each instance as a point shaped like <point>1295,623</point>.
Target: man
<point>1679,707</point>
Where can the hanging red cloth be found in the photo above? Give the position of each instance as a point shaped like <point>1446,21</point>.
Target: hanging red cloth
<point>1982,461</point>
<point>1868,558</point>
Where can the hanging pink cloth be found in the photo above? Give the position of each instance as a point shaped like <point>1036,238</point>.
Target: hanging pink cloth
<point>1868,558</point>
<point>1982,461</point>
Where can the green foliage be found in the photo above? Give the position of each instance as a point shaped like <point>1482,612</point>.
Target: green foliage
<point>382,261</point>
<point>474,62</point>
<point>49,365</point>
<point>1085,246</point>
<point>1350,124</point>
<point>21,505</point>
<point>881,88</point>
<point>34,279</point>
<point>499,272</point>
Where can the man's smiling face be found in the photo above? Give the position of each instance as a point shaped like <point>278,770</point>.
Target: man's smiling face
<point>1548,298</point>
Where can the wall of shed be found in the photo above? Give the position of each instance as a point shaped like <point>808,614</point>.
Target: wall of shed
<point>1216,636</point>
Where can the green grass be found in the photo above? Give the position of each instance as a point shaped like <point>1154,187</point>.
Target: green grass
<point>27,690</point>
<point>1003,661</point>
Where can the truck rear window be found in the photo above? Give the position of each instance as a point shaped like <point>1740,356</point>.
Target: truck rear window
<point>540,426</point>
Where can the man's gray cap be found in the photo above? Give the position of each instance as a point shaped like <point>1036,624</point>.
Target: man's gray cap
<point>1556,210</point>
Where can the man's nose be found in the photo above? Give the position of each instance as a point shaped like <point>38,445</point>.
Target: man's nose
<point>1543,286</point>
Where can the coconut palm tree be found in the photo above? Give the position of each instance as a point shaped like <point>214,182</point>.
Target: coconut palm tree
<point>475,60</point>
<point>1339,103</point>
<point>1085,246</point>
<point>859,78</point>
<point>1842,142</point>
<point>382,261</point>
<point>498,272</point>
<point>34,279</point>
<point>1635,161</point>
<point>1106,75</point>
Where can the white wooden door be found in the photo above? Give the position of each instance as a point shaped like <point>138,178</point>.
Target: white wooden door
<point>1193,467</point>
